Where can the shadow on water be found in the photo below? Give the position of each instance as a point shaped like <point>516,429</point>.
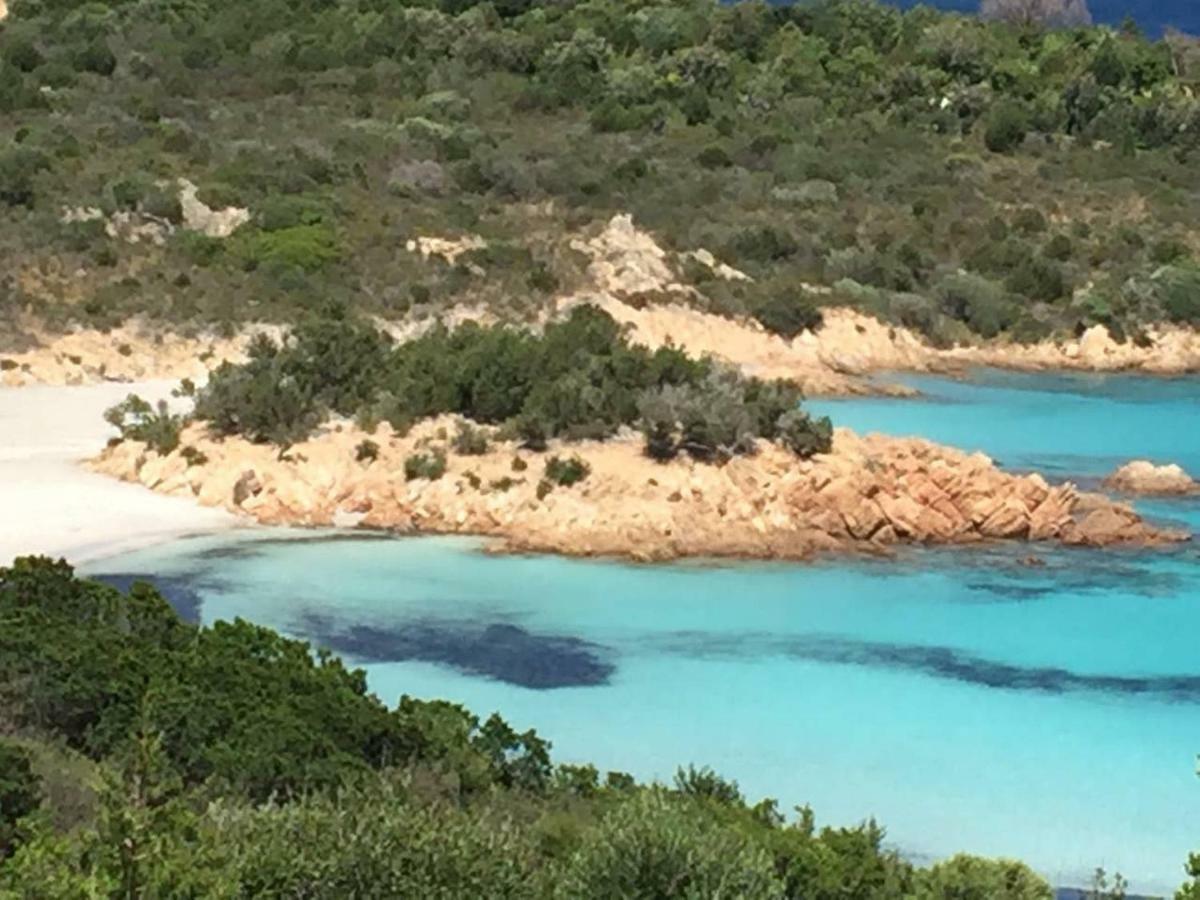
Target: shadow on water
<point>181,591</point>
<point>499,651</point>
<point>249,549</point>
<point>935,661</point>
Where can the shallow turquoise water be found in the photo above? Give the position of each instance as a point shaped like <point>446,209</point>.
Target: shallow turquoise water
<point>966,701</point>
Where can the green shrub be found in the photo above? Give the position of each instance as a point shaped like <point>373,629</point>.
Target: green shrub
<point>470,441</point>
<point>788,313</point>
<point>566,472</point>
<point>656,846</point>
<point>367,451</point>
<point>1179,293</point>
<point>136,420</point>
<point>19,166</point>
<point>1006,127</point>
<point>804,435</point>
<point>1037,279</point>
<point>972,878</point>
<point>96,57</point>
<point>20,793</point>
<point>425,465</point>
<point>714,157</point>
<point>305,247</point>
<point>262,400</point>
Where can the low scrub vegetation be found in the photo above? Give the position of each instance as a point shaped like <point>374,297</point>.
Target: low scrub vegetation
<point>580,378</point>
<point>842,143</point>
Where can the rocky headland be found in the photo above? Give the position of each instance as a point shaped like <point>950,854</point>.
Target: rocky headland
<point>870,494</point>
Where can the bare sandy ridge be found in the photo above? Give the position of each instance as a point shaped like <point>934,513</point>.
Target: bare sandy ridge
<point>870,494</point>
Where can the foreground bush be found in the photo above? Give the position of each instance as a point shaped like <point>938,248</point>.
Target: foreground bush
<point>656,846</point>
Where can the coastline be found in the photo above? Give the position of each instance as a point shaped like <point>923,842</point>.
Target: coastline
<point>868,496</point>
<point>850,355</point>
<point>58,508</point>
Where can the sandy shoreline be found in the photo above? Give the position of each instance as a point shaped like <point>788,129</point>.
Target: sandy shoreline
<point>53,506</point>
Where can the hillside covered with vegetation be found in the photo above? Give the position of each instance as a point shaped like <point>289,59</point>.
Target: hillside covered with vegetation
<point>959,176</point>
<point>141,756</point>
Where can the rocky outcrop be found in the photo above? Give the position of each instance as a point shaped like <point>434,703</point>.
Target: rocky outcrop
<point>868,494</point>
<point>1166,350</point>
<point>199,217</point>
<point>447,249</point>
<point>124,354</point>
<point>1143,477</point>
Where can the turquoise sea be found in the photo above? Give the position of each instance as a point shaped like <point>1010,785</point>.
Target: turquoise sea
<point>965,700</point>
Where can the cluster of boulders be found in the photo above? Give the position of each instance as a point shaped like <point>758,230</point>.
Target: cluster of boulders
<point>869,493</point>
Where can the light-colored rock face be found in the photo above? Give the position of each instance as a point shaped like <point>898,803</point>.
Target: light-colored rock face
<point>1167,350</point>
<point>626,262</point>
<point>447,249</point>
<point>1143,477</point>
<point>869,493</point>
<point>3,10</point>
<point>214,223</point>
<point>124,354</point>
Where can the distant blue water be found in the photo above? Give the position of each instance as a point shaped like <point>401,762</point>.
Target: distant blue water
<point>1152,16</point>
<point>964,699</point>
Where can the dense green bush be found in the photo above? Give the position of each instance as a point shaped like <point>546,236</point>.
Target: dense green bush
<point>788,313</point>
<point>972,878</point>
<point>566,472</point>
<point>1006,127</point>
<point>431,466</point>
<point>136,420</point>
<point>579,379</point>
<point>470,441</point>
<point>657,846</point>
<point>20,793</point>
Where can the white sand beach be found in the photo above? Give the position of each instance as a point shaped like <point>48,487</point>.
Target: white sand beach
<point>50,505</point>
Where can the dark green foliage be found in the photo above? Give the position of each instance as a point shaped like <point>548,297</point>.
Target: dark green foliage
<point>262,399</point>
<point>804,435</point>
<point>579,379</point>
<point>20,793</point>
<point>96,57</point>
<point>972,878</point>
<point>470,441</point>
<point>1179,290</point>
<point>566,472</point>
<point>19,166</point>
<point>658,846</point>
<point>788,313</point>
<point>137,420</point>
<point>1006,127</point>
<point>430,465</point>
<point>367,451</point>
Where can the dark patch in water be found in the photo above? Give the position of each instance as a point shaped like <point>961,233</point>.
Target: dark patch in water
<point>939,662</point>
<point>181,591</point>
<point>499,651</point>
<point>251,549</point>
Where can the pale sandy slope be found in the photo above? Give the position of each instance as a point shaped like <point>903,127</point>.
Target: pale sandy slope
<point>49,505</point>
